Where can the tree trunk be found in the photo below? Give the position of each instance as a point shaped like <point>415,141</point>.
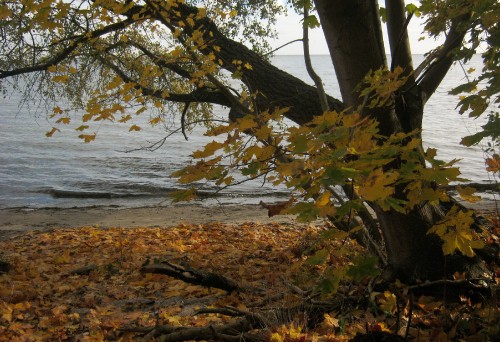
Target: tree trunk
<point>275,88</point>
<point>352,31</point>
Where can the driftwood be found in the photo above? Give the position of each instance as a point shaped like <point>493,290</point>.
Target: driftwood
<point>478,186</point>
<point>251,326</point>
<point>193,276</point>
<point>255,325</point>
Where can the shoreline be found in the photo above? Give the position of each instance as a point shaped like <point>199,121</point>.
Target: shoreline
<point>16,220</point>
<point>21,219</point>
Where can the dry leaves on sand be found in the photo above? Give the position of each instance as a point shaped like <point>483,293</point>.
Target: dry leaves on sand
<point>85,284</point>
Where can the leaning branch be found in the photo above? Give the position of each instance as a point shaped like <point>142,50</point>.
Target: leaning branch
<point>310,70</point>
<point>435,73</point>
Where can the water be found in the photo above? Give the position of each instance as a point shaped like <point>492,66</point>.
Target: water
<point>36,171</point>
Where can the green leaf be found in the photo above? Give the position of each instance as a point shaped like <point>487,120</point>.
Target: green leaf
<point>473,139</point>
<point>251,170</point>
<point>411,8</point>
<point>184,195</point>
<point>364,266</point>
<point>319,257</point>
<point>338,176</point>
<point>464,88</point>
<point>306,211</point>
<point>311,21</point>
<point>383,14</point>
<point>329,284</point>
<point>299,144</point>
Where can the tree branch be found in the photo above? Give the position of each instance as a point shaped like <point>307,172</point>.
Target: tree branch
<point>197,95</point>
<point>193,276</point>
<point>435,73</point>
<point>275,87</point>
<point>307,58</point>
<point>68,50</point>
<point>397,27</point>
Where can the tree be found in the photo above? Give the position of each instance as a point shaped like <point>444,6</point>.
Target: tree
<point>114,58</point>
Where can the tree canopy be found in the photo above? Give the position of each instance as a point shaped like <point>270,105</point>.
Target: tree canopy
<point>113,60</point>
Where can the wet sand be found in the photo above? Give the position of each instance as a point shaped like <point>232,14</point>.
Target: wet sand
<point>23,219</point>
<point>16,220</point>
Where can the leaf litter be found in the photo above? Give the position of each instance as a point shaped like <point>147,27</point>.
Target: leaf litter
<point>86,284</point>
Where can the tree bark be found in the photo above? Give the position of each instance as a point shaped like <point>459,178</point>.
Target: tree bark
<point>352,31</point>
<point>356,49</point>
<point>275,88</point>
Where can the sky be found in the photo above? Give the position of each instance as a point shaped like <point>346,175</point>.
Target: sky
<point>290,28</point>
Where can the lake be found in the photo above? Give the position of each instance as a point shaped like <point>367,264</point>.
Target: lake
<point>36,171</point>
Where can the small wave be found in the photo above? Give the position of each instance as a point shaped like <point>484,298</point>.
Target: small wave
<point>159,193</point>
<point>56,193</point>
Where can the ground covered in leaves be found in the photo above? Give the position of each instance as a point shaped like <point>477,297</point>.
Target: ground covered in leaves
<point>86,284</point>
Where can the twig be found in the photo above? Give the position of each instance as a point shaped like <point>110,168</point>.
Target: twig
<point>183,120</point>
<point>282,46</point>
<point>445,282</point>
<point>410,313</point>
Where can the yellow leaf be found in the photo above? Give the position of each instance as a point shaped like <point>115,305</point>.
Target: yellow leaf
<point>246,123</point>
<point>51,132</point>
<point>209,150</point>
<point>57,110</point>
<point>467,194</point>
<point>6,311</point>
<point>378,185</point>
<point>82,128</point>
<point>87,137</point>
<point>323,200</point>
<point>125,118</point>
<point>330,322</point>
<point>5,12</point>
<point>190,21</point>
<point>388,302</point>
<point>248,66</point>
<point>275,337</point>
<point>155,121</point>
<point>134,128</point>
<point>233,13</point>
<point>60,79</point>
<point>64,120</point>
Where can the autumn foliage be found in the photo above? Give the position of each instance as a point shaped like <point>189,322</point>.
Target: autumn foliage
<point>86,284</point>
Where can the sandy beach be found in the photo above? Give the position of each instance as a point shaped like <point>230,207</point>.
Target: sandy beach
<point>16,220</point>
<point>23,219</point>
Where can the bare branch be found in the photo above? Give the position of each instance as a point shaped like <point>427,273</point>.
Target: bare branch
<point>183,120</point>
<point>435,73</point>
<point>282,46</point>
<point>397,27</point>
<point>307,57</point>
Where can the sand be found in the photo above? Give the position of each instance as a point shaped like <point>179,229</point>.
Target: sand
<point>23,219</point>
<point>18,220</point>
